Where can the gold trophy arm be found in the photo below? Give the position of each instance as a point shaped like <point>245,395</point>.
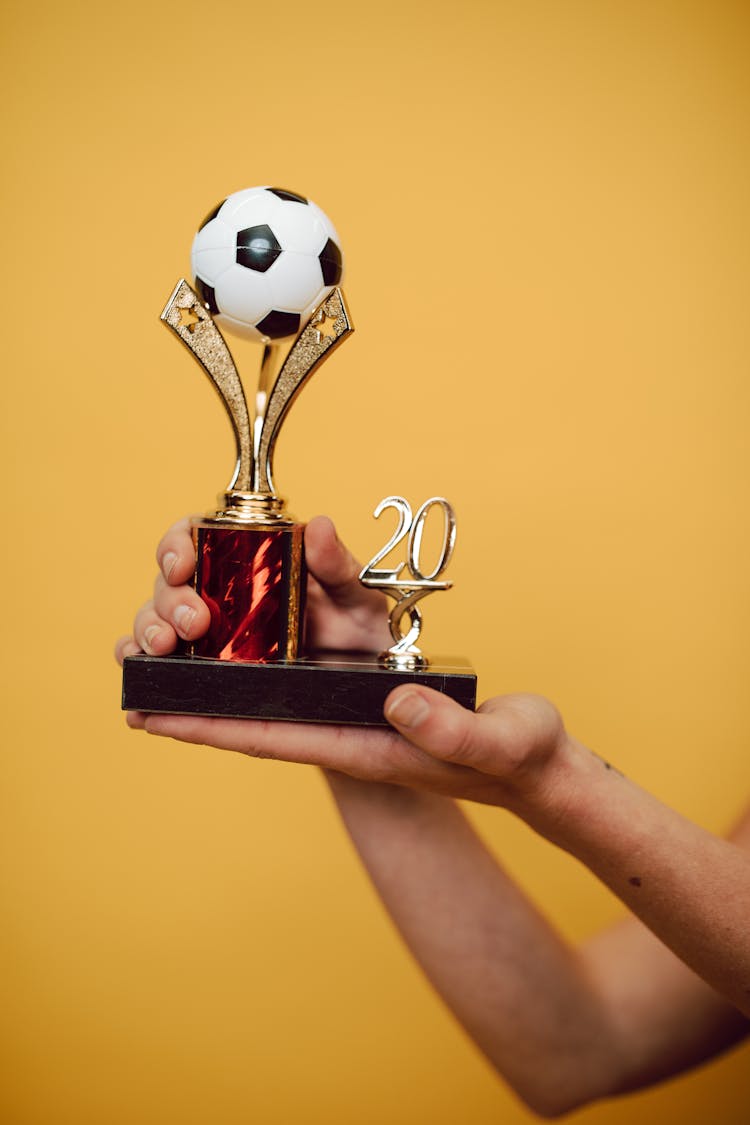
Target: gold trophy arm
<point>188,319</point>
<point>327,327</point>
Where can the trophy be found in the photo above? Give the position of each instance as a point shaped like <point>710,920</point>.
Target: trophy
<point>267,265</point>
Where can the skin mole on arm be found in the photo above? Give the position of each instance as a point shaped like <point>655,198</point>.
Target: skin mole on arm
<point>635,880</point>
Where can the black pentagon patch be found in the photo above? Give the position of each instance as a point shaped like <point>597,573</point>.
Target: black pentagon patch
<point>290,195</point>
<point>207,295</point>
<point>278,324</point>
<point>257,247</point>
<point>212,214</point>
<point>331,263</point>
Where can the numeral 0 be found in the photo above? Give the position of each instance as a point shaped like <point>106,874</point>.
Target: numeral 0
<point>415,539</point>
<point>414,528</point>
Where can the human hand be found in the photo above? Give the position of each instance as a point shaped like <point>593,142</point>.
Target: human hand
<point>491,756</point>
<point>507,753</point>
<point>341,612</point>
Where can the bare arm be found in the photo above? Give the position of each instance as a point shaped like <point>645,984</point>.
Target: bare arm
<point>563,1026</point>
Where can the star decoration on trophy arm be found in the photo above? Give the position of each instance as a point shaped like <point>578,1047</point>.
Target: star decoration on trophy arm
<point>325,326</point>
<point>189,317</point>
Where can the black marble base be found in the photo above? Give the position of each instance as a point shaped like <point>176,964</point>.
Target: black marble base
<point>323,688</point>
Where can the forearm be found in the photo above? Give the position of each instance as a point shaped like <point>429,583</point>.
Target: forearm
<point>520,992</point>
<point>689,887</point>
<point>559,1024</point>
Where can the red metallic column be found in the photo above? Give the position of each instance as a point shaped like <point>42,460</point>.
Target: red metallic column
<point>252,577</point>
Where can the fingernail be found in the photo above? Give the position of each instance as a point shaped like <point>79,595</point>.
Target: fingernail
<point>149,635</point>
<point>168,564</point>
<point>183,618</point>
<point>408,710</point>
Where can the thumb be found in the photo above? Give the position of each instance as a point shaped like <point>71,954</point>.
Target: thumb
<point>506,735</point>
<point>333,564</point>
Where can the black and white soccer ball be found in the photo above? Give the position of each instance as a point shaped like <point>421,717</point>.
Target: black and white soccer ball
<point>263,259</point>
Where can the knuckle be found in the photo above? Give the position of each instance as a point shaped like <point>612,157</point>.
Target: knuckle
<point>461,742</point>
<point>163,601</point>
<point>139,625</point>
<point>259,742</point>
<point>145,609</point>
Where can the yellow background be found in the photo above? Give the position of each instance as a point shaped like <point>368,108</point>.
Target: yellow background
<point>544,211</point>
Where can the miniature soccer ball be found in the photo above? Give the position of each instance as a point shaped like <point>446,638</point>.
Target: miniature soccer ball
<point>263,260</point>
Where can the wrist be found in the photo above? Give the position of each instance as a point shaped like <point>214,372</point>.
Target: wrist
<point>378,797</point>
<point>345,787</point>
<point>554,793</point>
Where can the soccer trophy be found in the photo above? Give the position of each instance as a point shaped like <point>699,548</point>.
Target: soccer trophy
<point>267,265</point>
